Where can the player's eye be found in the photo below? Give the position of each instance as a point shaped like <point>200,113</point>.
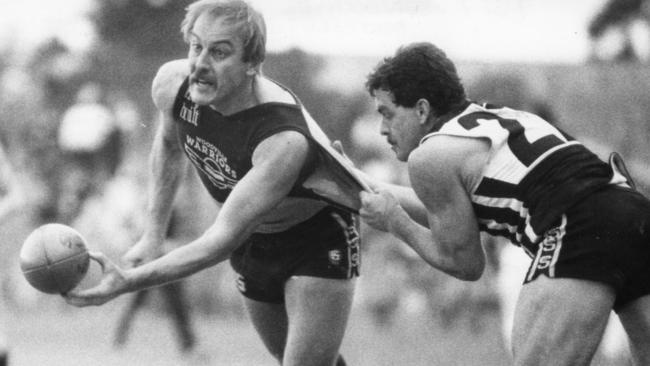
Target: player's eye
<point>195,47</point>
<point>219,53</point>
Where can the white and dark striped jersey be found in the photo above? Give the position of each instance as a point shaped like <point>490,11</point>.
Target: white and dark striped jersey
<point>533,174</point>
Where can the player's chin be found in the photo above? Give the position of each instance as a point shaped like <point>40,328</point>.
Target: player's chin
<point>400,154</point>
<point>202,95</point>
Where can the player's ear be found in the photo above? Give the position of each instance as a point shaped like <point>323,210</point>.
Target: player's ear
<point>252,69</point>
<point>423,110</point>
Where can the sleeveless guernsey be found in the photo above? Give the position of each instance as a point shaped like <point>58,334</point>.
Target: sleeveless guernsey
<point>221,148</point>
<point>534,172</point>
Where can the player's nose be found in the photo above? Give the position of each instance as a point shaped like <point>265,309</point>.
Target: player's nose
<point>201,60</point>
<point>384,129</point>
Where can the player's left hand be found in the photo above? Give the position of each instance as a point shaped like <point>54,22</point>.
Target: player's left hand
<point>112,284</point>
<point>379,208</point>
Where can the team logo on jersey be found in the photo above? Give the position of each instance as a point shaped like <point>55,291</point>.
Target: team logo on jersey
<point>211,162</point>
<point>190,115</point>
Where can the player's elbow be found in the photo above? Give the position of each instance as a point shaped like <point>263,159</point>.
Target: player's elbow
<point>466,262</point>
<point>473,274</point>
<point>221,240</point>
<point>470,269</point>
<point>462,271</point>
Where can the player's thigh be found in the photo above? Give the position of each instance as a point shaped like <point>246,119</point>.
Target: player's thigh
<point>270,322</point>
<point>560,321</point>
<point>318,310</point>
<point>635,318</point>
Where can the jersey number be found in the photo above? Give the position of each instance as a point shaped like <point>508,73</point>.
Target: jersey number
<point>525,151</point>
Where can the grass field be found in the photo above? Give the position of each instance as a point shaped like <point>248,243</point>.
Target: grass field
<point>60,335</point>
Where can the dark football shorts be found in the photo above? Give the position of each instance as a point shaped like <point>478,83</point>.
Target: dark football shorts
<point>604,238</point>
<point>325,246</point>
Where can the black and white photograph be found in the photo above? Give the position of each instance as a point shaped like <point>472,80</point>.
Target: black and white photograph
<point>325,183</point>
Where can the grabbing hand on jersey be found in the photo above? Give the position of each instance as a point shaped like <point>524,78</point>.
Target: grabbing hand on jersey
<point>380,209</point>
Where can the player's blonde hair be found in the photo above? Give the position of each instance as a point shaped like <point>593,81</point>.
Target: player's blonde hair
<point>250,21</point>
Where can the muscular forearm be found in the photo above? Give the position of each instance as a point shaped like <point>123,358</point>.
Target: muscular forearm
<point>208,250</point>
<point>405,195</point>
<point>167,165</point>
<point>463,262</point>
<point>409,202</point>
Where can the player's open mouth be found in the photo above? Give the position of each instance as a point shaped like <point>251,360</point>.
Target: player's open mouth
<point>202,82</point>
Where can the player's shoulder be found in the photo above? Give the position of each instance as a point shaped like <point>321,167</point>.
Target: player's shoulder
<point>167,81</point>
<point>285,141</point>
<point>445,156</point>
<point>442,148</point>
<point>269,91</point>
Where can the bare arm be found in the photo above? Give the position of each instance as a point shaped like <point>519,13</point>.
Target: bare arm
<point>409,201</point>
<point>261,189</point>
<point>437,172</point>
<point>166,165</point>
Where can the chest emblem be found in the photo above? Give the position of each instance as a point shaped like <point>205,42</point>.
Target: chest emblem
<point>211,162</point>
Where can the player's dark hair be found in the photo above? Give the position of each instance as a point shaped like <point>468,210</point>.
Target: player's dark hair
<point>251,22</point>
<point>419,71</point>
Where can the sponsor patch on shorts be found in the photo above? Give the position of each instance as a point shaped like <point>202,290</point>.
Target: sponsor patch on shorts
<point>335,257</point>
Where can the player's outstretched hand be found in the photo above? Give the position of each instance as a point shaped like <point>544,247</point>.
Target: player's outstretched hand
<point>145,250</point>
<point>379,209</point>
<point>112,284</point>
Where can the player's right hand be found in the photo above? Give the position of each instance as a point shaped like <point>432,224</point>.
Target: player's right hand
<point>112,284</point>
<point>379,209</point>
<point>145,250</point>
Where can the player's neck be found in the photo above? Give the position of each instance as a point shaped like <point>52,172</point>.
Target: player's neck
<point>244,98</point>
<point>440,120</point>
